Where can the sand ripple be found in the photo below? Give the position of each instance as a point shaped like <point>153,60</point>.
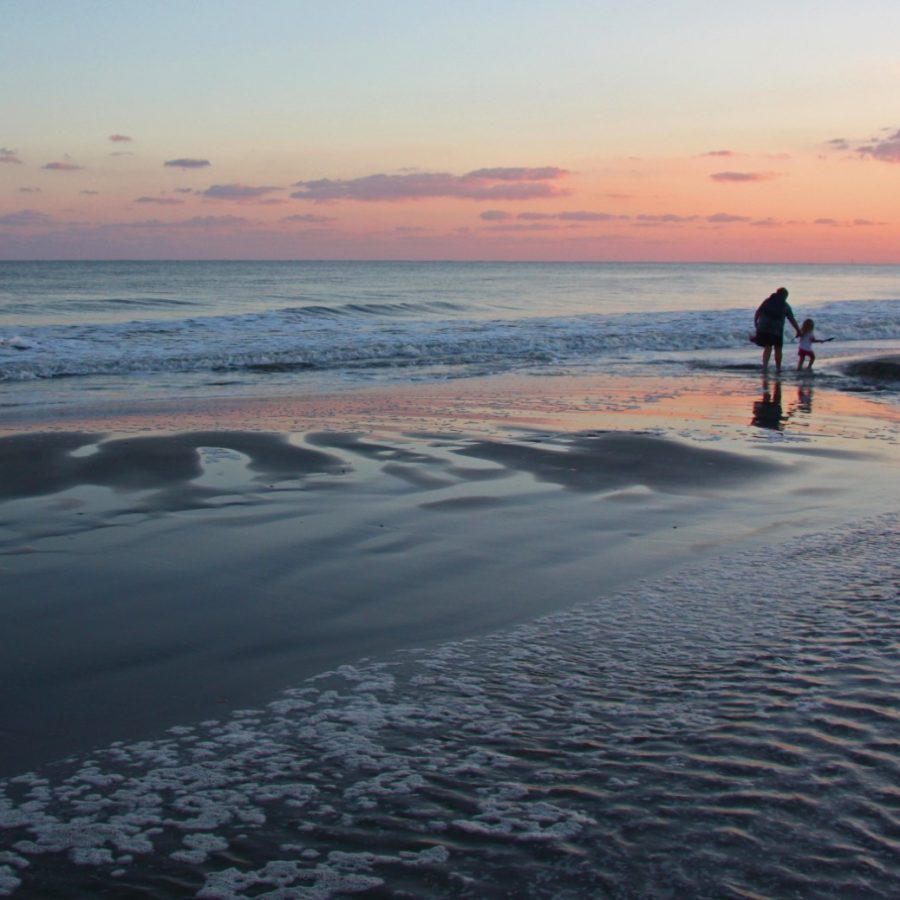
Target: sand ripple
<point>729,732</point>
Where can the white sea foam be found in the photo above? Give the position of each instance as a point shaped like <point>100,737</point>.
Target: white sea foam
<point>294,339</point>
<point>701,713</point>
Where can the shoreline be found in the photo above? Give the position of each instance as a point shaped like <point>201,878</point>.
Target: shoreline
<point>453,637</point>
<point>167,563</point>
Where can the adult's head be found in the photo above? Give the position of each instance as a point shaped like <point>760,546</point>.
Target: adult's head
<point>782,292</point>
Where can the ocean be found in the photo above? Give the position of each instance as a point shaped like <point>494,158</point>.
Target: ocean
<point>535,603</point>
<point>134,330</point>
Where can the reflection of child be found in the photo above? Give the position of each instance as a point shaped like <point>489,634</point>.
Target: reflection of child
<point>807,337</point>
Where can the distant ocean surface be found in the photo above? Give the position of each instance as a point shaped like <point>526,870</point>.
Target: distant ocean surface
<point>143,329</point>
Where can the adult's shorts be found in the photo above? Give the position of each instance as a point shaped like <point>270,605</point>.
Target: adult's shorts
<point>765,339</point>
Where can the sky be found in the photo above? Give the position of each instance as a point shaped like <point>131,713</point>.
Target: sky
<point>668,130</point>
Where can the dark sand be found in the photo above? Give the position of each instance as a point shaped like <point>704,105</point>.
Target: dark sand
<point>172,563</point>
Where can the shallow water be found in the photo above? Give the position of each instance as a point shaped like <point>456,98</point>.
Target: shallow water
<point>132,331</point>
<point>730,731</point>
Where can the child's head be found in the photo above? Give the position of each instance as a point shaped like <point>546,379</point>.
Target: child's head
<point>807,326</point>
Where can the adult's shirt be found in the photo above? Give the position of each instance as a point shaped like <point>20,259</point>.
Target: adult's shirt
<point>771,315</point>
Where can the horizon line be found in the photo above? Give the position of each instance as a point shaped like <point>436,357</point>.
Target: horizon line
<point>627,262</point>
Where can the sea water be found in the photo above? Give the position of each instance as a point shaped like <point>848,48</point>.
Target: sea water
<point>70,330</point>
<point>711,734</point>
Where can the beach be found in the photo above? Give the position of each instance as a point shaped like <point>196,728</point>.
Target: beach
<point>582,635</point>
<point>452,580</point>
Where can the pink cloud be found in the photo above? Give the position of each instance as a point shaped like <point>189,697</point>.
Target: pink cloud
<point>309,219</point>
<point>515,226</point>
<point>63,167</point>
<point>120,138</point>
<point>236,192</point>
<point>214,222</point>
<point>726,218</point>
<point>742,177</point>
<point>187,163</point>
<point>719,153</point>
<point>195,222</point>
<point>664,219</point>
<point>518,173</point>
<point>510,184</point>
<point>25,218</point>
<point>580,216</point>
<point>160,201</point>
<point>497,215</point>
<point>9,156</point>
<point>884,149</point>
<point>855,223</point>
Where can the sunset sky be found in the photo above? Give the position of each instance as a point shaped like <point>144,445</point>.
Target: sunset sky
<point>361,129</point>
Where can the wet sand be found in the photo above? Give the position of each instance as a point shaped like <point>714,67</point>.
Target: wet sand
<point>169,563</point>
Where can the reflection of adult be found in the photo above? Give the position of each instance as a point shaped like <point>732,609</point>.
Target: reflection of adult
<point>767,411</point>
<point>769,322</point>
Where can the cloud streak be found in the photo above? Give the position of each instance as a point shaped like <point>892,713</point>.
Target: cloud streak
<point>498,215</point>
<point>185,162</point>
<point>236,192</point>
<point>160,201</point>
<point>885,149</point>
<point>309,219</point>
<point>510,184</point>
<point>742,177</point>
<point>839,223</point>
<point>726,218</point>
<point>120,138</point>
<point>197,222</point>
<point>63,167</point>
<point>646,219</point>
<point>25,218</point>
<point>9,156</point>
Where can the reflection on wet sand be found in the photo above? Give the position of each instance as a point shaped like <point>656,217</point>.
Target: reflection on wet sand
<point>804,399</point>
<point>767,411</point>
